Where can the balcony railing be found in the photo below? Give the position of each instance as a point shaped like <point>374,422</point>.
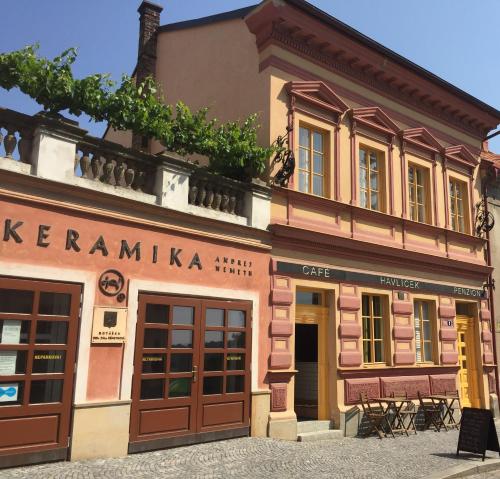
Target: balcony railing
<point>56,149</point>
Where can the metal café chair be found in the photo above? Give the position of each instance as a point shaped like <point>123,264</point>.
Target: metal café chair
<point>432,413</point>
<point>407,410</point>
<point>375,417</point>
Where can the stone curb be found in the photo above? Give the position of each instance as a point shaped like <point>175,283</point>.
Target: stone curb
<point>465,470</point>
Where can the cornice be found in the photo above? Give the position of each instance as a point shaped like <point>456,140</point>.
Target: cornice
<point>306,35</point>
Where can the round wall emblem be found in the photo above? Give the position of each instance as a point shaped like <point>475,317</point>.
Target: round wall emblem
<point>111,282</point>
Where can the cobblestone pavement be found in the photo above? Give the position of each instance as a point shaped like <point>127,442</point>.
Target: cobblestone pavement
<point>351,458</point>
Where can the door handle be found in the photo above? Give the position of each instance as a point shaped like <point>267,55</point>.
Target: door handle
<point>195,373</point>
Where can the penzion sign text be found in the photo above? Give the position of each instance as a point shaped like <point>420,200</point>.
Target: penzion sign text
<point>393,282</point>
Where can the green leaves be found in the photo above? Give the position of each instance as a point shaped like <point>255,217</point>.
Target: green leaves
<point>231,148</point>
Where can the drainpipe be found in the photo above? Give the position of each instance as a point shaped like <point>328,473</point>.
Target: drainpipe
<point>490,290</point>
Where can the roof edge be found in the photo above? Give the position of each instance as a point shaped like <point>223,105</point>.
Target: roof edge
<point>198,22</point>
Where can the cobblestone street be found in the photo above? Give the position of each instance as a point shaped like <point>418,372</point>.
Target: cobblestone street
<point>408,457</point>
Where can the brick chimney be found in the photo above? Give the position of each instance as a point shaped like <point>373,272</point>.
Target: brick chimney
<point>149,21</point>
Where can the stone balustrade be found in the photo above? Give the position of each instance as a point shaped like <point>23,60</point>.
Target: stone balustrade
<point>55,148</point>
<point>16,135</point>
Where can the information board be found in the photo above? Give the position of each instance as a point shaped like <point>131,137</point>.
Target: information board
<point>477,432</point>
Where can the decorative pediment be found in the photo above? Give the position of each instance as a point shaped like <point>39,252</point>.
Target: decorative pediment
<point>420,137</point>
<point>374,117</point>
<point>318,94</point>
<point>461,155</point>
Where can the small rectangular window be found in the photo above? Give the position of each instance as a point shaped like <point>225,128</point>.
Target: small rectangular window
<point>458,205</point>
<point>418,193</point>
<point>373,329</point>
<point>371,185</point>
<point>312,160</point>
<point>422,313</point>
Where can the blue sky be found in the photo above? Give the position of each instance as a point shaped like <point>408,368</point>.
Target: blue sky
<point>455,39</point>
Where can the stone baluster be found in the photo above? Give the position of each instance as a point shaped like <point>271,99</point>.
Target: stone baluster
<point>217,198</point>
<point>209,198</point>
<point>96,166</point>
<point>24,146</point>
<point>193,191</point>
<point>232,202</point>
<point>107,170</point>
<point>225,200</point>
<point>140,180</point>
<point>85,164</point>
<point>202,192</point>
<point>10,142</point>
<point>129,175</point>
<point>119,172</point>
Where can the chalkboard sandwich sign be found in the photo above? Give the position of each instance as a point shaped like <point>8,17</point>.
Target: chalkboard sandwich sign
<point>477,432</point>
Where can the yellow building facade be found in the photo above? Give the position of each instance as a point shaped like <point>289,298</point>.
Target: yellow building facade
<point>377,271</point>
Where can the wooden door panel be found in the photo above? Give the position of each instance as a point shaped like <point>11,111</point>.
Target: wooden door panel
<point>172,420</point>
<point>29,431</point>
<point>227,413</point>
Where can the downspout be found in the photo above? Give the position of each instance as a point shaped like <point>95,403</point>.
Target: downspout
<point>490,290</point>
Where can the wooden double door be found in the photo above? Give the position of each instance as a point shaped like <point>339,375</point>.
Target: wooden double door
<point>38,335</point>
<point>191,371</point>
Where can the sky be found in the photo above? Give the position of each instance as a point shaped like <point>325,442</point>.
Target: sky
<point>454,39</point>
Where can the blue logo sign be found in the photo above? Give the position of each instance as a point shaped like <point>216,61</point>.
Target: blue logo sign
<point>9,392</point>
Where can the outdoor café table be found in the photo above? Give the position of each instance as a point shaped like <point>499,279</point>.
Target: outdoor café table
<point>441,401</point>
<point>392,410</point>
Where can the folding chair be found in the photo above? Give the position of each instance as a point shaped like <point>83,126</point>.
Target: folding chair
<point>455,397</point>
<point>374,417</point>
<point>408,410</point>
<point>432,413</point>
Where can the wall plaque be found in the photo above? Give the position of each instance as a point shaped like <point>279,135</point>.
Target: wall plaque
<point>110,325</point>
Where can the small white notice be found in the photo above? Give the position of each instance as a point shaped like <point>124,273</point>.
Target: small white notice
<point>8,392</point>
<point>8,362</point>
<point>11,332</point>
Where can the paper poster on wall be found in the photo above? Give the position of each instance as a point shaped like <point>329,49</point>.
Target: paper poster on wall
<point>8,392</point>
<point>11,332</point>
<point>8,362</point>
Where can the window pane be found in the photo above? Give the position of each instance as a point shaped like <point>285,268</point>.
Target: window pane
<point>362,159</point>
<point>420,195</point>
<point>367,354</point>
<point>377,310</point>
<point>181,363</point>
<point>318,185</point>
<point>153,363</point>
<point>14,332</point>
<point>155,338</point>
<point>318,141</point>
<point>51,332</point>
<point>318,164</point>
<point>373,162</point>
<point>304,137</point>
<point>235,362</point>
<point>303,182</point>
<point>412,195</point>
<point>425,310</point>
<point>214,362</point>
<point>427,329</point>
<point>182,338</point>
<point>49,390</point>
<point>152,388</point>
<point>212,385</point>
<point>57,304</point>
<point>235,384</point>
<point>236,319</point>
<point>362,178</point>
<point>214,339</point>
<point>179,387</point>
<point>16,301</point>
<point>303,159</point>
<point>420,177</point>
<point>11,393</point>
<point>12,362</point>
<point>421,213</point>
<point>49,361</point>
<point>379,352</point>
<point>378,332</point>
<point>308,297</point>
<point>363,199</point>
<point>411,172</point>
<point>366,328</point>
<point>374,181</point>
<point>157,313</point>
<point>428,351</point>
<point>183,315</point>
<point>214,317</point>
<point>235,339</point>
<point>374,201</point>
<point>366,305</point>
